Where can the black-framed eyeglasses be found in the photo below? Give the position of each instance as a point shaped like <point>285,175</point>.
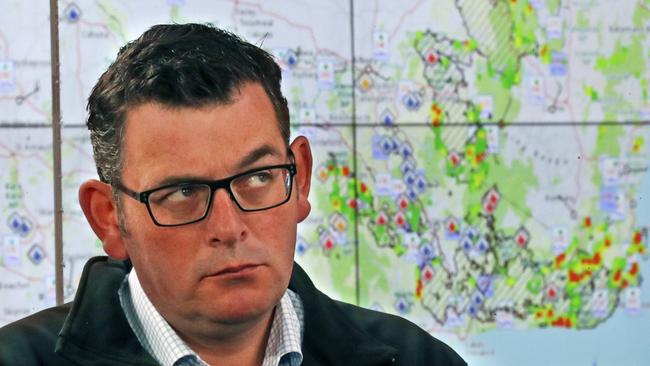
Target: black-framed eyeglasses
<point>188,202</point>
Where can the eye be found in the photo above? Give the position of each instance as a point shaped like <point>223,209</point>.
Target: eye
<point>259,179</point>
<point>178,193</point>
<point>187,191</point>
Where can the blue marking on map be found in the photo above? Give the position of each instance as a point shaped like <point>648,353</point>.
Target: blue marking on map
<point>14,223</point>
<point>467,244</point>
<point>558,64</point>
<point>482,245</point>
<point>395,144</point>
<point>412,194</point>
<point>477,298</point>
<point>36,254</point>
<point>409,178</point>
<point>407,166</point>
<point>427,252</point>
<point>472,310</point>
<point>291,59</point>
<point>24,229</point>
<point>387,118</point>
<point>412,101</point>
<point>608,199</point>
<point>421,183</point>
<point>451,235</point>
<point>558,69</point>
<point>386,144</point>
<point>19,225</point>
<point>485,285</point>
<point>7,81</point>
<point>402,306</point>
<point>406,150</point>
<point>72,13</point>
<point>471,233</point>
<point>379,145</point>
<point>301,246</point>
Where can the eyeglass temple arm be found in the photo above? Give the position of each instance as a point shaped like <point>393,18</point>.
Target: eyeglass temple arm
<point>133,194</point>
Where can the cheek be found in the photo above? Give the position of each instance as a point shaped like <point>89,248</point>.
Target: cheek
<point>277,231</point>
<point>164,252</point>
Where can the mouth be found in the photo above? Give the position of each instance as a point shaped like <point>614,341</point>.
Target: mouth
<point>236,270</point>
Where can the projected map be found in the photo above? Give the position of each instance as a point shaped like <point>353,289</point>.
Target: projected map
<point>481,167</point>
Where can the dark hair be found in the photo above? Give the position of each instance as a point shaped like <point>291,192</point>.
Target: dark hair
<point>178,65</point>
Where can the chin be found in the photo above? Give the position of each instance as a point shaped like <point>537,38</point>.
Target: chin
<point>240,308</point>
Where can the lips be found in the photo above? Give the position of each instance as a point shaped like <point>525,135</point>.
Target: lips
<point>235,270</point>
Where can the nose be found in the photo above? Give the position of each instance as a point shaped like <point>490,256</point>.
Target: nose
<point>224,223</point>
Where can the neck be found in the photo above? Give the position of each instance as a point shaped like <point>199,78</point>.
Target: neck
<point>231,344</point>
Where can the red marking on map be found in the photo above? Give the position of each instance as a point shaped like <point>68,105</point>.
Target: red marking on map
<point>574,277</point>
<point>522,237</point>
<point>593,261</point>
<point>399,219</point>
<point>551,293</point>
<point>454,158</point>
<point>549,313</point>
<point>436,115</point>
<point>562,322</point>
<point>480,157</point>
<point>488,209</point>
<point>559,259</point>
<point>427,273</point>
<point>403,203</point>
<point>637,237</point>
<point>490,201</point>
<point>452,227</point>
<point>431,58</point>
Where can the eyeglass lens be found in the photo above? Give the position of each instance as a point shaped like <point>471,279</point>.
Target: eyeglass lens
<point>189,202</point>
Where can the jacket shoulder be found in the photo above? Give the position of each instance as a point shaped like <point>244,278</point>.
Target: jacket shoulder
<point>414,345</point>
<point>32,340</point>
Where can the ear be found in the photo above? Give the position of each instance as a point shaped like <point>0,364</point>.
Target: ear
<point>97,203</point>
<point>302,153</point>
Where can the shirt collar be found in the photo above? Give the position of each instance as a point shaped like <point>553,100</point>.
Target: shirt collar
<point>163,343</point>
<point>285,338</point>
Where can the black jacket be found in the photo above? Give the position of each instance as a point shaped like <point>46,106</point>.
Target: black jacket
<point>93,330</point>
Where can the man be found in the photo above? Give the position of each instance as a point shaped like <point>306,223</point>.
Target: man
<point>197,208</point>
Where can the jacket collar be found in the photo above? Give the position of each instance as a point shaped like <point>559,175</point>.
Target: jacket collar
<point>331,337</point>
<point>96,329</point>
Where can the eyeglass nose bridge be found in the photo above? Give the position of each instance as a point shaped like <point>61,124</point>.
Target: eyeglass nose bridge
<point>216,185</point>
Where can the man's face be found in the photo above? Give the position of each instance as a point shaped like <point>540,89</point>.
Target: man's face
<point>233,266</point>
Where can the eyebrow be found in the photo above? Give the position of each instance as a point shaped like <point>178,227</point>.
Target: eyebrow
<point>244,163</point>
<point>255,155</point>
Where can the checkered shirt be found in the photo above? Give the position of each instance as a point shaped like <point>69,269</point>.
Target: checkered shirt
<point>157,337</point>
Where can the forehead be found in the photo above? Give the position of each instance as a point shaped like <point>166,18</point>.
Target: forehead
<point>207,142</point>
